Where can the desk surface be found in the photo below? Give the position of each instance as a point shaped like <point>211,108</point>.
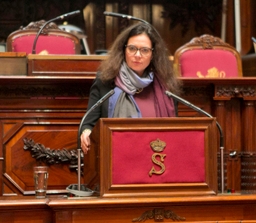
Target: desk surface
<point>7,202</point>
<point>220,208</point>
<point>66,57</point>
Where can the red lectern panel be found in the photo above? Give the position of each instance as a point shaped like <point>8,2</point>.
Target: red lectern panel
<point>182,157</point>
<point>154,157</point>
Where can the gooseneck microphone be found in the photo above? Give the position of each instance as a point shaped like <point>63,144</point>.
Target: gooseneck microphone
<point>61,17</point>
<point>185,102</point>
<point>76,189</point>
<point>124,16</point>
<point>98,103</point>
<point>114,14</point>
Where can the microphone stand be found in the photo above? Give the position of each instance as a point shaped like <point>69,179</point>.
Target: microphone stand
<point>87,191</point>
<point>124,16</point>
<point>129,17</point>
<point>46,23</point>
<point>183,101</point>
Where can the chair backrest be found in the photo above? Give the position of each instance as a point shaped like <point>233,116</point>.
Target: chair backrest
<point>52,40</point>
<point>207,57</point>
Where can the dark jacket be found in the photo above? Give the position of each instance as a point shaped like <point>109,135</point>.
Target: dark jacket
<point>97,91</point>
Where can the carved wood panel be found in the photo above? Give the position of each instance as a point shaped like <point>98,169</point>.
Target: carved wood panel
<point>53,143</point>
<point>235,109</point>
<point>44,119</point>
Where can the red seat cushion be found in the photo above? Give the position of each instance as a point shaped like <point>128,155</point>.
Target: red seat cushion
<point>208,63</point>
<point>51,43</point>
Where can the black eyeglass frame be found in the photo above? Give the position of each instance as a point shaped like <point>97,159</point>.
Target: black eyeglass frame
<point>138,49</point>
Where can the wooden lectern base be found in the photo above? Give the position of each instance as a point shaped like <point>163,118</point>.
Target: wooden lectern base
<point>152,157</point>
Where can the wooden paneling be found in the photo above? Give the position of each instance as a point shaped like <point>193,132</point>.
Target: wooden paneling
<point>60,65</point>
<point>48,114</point>
<point>21,210</point>
<point>191,209</point>
<point>48,109</point>
<point>50,135</point>
<point>205,209</point>
<point>232,101</point>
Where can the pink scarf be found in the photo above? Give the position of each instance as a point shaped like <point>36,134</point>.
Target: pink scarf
<point>163,104</point>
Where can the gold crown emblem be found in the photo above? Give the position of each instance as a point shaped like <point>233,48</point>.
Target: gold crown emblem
<point>158,145</point>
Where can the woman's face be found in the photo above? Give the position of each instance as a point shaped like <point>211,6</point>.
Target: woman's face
<point>138,60</point>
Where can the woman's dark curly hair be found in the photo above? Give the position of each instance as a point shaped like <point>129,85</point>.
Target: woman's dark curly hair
<point>160,63</point>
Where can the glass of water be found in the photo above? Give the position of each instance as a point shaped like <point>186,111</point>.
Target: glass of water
<point>41,181</point>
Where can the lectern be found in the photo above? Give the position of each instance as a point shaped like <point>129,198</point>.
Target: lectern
<point>148,157</point>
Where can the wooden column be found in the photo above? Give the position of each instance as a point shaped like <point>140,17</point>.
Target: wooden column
<point>248,164</point>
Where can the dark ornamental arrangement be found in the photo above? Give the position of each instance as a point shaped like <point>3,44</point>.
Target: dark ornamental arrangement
<point>159,214</point>
<point>51,156</point>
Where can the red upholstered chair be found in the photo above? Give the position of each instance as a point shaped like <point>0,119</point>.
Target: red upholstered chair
<point>52,40</point>
<point>207,57</point>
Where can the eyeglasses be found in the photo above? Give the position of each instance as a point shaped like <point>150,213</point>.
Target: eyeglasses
<point>144,51</point>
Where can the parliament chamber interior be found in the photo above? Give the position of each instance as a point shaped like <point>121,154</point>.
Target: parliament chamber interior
<point>50,52</point>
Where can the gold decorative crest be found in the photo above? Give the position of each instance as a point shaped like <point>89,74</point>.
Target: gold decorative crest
<point>158,145</point>
<point>212,72</point>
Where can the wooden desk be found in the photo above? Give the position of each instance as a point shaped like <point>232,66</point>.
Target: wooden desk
<point>221,209</point>
<point>64,65</point>
<point>13,63</point>
<point>24,209</point>
<point>226,208</point>
<point>48,109</point>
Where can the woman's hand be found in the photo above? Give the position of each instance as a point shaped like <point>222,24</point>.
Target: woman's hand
<point>85,140</point>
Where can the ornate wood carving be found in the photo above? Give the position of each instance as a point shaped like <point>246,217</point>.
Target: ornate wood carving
<point>52,156</point>
<point>236,91</point>
<point>207,42</point>
<point>38,24</point>
<point>159,214</point>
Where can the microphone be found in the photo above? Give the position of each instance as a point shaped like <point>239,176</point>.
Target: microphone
<point>123,16</point>
<point>51,20</point>
<point>183,101</point>
<point>98,103</point>
<point>76,189</point>
<point>68,14</point>
<point>130,18</point>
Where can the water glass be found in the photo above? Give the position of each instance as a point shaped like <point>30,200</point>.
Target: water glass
<point>41,181</point>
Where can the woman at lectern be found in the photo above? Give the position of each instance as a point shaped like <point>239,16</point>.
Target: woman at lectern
<point>139,70</point>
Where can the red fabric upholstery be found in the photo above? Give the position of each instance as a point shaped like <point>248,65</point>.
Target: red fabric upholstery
<point>53,44</point>
<point>184,161</point>
<point>194,61</point>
